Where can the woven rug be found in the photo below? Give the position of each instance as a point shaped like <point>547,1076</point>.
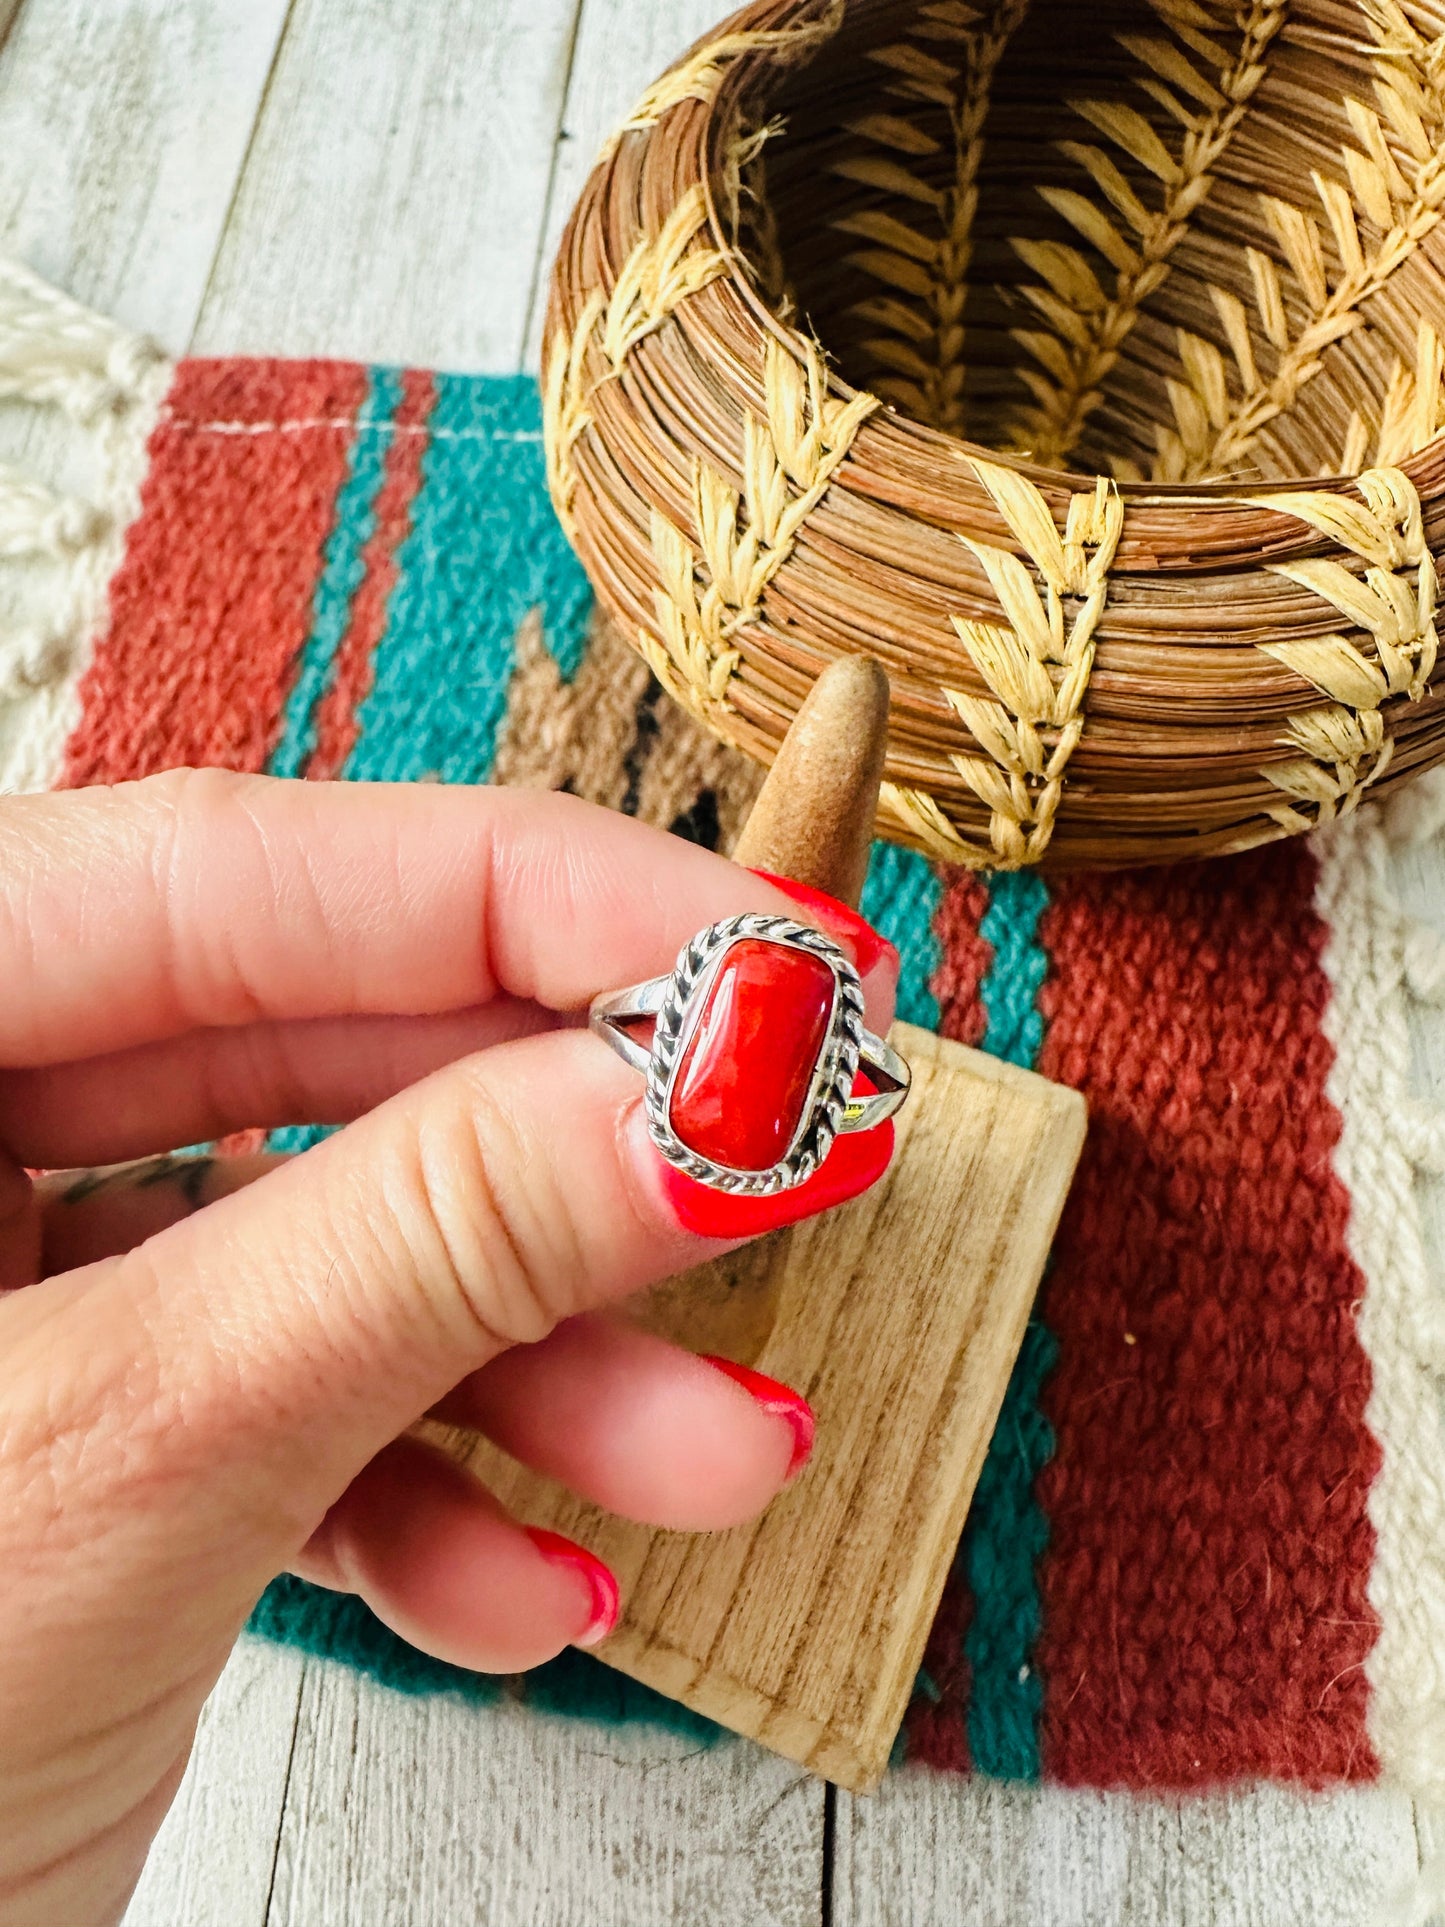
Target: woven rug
<point>1209,1539</point>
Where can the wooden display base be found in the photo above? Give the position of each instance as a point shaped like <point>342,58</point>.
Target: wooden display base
<point>898,1316</point>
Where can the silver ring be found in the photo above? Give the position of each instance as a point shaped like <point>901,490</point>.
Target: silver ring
<point>709,1040</point>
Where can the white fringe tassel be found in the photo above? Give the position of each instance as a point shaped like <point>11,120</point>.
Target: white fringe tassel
<point>58,552</point>
<point>1392,1141</point>
<point>54,351</point>
<point>35,522</point>
<point>1424,962</point>
<point>1417,813</point>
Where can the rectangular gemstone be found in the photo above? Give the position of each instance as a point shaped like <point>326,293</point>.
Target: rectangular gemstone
<point>740,1088</point>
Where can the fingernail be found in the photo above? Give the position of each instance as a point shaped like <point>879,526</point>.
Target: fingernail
<point>856,1160</point>
<point>869,946</point>
<point>778,1401</point>
<point>606,1596</point>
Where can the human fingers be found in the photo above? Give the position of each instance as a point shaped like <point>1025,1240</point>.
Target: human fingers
<point>79,1216</point>
<point>86,1215</point>
<point>269,1346</point>
<point>177,1423</point>
<point>205,1084</point>
<point>639,1426</point>
<point>625,1419</point>
<point>202,898</point>
<point>443,1564</point>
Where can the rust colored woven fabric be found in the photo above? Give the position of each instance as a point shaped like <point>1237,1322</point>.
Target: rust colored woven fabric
<point>197,658</point>
<point>1205,1599</point>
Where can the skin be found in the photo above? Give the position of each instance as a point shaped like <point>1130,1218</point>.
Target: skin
<point>210,1366</point>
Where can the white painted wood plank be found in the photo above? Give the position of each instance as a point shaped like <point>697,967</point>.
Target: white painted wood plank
<point>622,46</point>
<point>212,1861</point>
<point>412,1812</point>
<point>391,207</point>
<point>930,1850</point>
<point>123,129</point>
<point>122,132</point>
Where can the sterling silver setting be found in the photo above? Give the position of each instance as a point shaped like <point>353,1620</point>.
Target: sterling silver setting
<point>677,1002</point>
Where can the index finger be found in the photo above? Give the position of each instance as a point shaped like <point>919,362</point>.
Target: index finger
<point>202,898</point>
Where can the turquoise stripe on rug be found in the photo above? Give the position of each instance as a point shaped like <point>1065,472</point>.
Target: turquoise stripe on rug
<point>334,1625</point>
<point>900,898</point>
<point>484,549</point>
<point>1010,926</point>
<point>1007,1529</point>
<point>342,570</point>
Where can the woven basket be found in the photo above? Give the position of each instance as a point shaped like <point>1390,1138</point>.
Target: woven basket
<point>1081,363</point>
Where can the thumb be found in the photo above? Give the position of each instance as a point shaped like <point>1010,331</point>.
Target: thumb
<point>262,1351</point>
<point>175,1423</point>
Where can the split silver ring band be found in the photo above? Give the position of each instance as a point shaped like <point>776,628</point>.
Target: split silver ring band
<point>757,1042</point>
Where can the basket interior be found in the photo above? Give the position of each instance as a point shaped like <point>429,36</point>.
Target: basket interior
<point>1168,240</point>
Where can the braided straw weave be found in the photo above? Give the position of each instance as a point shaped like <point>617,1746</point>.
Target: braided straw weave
<point>1082,364</point>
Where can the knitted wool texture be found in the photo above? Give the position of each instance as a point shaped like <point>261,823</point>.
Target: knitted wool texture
<point>1207,1542</point>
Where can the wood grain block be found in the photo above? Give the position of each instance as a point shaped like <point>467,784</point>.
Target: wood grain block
<point>899,1317</point>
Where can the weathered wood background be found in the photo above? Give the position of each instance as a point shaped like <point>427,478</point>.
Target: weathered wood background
<point>386,179</point>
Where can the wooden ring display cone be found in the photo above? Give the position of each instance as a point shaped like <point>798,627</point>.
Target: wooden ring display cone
<point>898,1316</point>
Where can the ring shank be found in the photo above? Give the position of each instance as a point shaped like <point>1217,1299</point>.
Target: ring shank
<point>608,1013</point>
<point>885,1068</point>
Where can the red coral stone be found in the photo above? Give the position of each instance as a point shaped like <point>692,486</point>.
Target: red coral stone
<point>743,1081</point>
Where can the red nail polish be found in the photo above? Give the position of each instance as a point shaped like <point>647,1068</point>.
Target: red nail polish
<point>778,1400</point>
<point>869,946</point>
<point>606,1596</point>
<point>855,1161</point>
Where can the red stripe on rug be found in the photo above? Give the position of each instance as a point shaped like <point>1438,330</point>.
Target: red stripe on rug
<point>212,602</point>
<point>937,1726</point>
<point>964,957</point>
<point>336,720</point>
<point>1204,1590</point>
<point>937,1730</point>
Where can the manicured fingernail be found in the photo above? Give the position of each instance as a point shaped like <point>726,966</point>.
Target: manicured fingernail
<point>606,1597</point>
<point>869,946</point>
<point>778,1401</point>
<point>855,1161</point>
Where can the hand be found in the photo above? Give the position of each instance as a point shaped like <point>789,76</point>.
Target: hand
<point>208,1368</point>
